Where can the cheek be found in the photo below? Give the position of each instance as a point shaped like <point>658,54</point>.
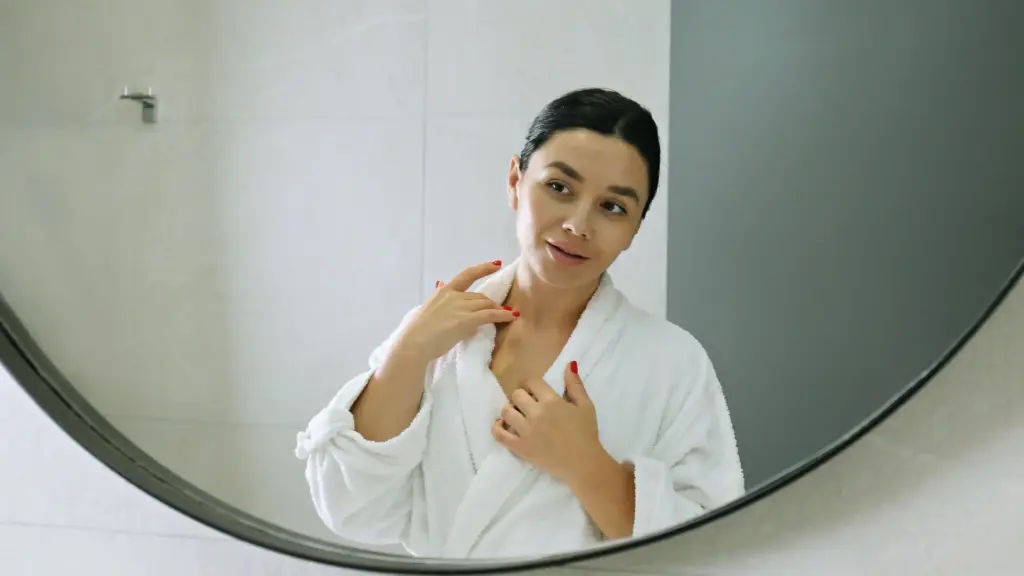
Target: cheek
<point>536,211</point>
<point>616,237</point>
<point>526,220</point>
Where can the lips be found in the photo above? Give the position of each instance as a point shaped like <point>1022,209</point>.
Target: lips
<point>564,249</point>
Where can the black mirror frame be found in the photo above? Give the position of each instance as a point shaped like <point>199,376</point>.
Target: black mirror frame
<point>58,398</point>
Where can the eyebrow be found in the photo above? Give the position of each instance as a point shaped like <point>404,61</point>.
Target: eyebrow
<point>575,175</point>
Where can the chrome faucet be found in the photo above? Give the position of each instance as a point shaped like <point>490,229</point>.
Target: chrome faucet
<point>147,100</point>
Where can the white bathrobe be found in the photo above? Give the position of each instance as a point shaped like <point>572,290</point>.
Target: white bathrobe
<point>445,488</point>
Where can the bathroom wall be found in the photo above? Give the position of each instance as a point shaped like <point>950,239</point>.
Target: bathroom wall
<point>209,281</point>
<point>937,490</point>
<point>846,180</point>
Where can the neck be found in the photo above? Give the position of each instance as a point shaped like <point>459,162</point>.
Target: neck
<point>544,306</point>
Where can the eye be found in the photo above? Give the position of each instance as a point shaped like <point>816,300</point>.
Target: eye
<point>612,207</point>
<point>558,187</point>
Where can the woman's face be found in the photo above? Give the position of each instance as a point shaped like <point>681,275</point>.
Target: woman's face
<point>578,205</point>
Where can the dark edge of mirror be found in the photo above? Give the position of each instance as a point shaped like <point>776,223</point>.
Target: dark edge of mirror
<point>65,406</point>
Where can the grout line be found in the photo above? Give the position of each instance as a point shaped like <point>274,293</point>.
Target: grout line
<point>216,537</point>
<point>424,283</point>
<point>199,421</point>
<point>895,448</point>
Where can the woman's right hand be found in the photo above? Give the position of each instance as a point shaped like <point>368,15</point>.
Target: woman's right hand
<point>452,314</point>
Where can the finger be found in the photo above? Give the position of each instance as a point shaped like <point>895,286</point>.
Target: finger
<point>505,437</point>
<point>470,295</point>
<point>477,303</point>
<point>474,296</point>
<point>463,280</point>
<point>524,402</point>
<point>540,389</point>
<point>499,316</point>
<point>575,392</point>
<point>515,420</point>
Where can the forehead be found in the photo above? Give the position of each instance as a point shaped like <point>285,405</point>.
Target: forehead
<point>600,159</point>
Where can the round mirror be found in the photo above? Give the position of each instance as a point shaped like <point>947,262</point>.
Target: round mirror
<point>409,285</point>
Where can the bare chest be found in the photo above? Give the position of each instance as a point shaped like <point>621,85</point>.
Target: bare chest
<point>523,354</point>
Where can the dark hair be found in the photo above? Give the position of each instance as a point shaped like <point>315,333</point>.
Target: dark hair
<point>605,112</point>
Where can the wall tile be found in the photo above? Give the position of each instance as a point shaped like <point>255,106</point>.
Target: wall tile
<point>236,272</point>
<point>467,218</point>
<point>213,61</point>
<point>54,551</point>
<point>57,483</point>
<point>487,59</point>
<point>249,466</point>
<point>924,427</point>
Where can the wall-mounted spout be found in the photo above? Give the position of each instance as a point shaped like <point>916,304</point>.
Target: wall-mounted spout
<point>147,100</point>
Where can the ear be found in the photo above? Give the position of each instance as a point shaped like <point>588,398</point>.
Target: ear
<point>514,177</point>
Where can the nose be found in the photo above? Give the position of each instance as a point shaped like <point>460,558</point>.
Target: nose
<point>578,223</point>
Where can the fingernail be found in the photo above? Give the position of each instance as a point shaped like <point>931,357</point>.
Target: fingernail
<point>515,313</point>
<point>496,262</point>
<point>507,307</point>
<point>574,367</point>
<point>437,284</point>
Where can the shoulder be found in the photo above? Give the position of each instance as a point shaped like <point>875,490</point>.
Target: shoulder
<point>669,368</point>
<point>666,344</point>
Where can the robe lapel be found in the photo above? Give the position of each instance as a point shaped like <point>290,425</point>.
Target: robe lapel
<point>500,473</point>
<point>480,393</point>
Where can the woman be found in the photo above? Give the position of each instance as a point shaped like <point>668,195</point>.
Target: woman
<point>542,412</point>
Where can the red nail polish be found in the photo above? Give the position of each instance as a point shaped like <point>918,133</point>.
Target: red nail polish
<point>507,307</point>
<point>437,284</point>
<point>574,367</point>
<point>496,262</point>
<point>516,313</point>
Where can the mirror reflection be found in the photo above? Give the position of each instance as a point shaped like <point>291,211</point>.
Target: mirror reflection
<point>484,280</point>
<point>533,407</point>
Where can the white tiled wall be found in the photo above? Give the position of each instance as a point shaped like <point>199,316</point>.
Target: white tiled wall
<point>936,490</point>
<point>209,281</point>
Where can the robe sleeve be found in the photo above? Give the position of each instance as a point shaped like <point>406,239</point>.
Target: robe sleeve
<point>363,490</point>
<point>694,465</point>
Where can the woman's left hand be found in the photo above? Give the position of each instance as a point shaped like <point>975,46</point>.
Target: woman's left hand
<point>557,435</point>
